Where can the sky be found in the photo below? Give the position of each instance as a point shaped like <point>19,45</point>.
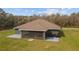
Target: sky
<point>41,11</point>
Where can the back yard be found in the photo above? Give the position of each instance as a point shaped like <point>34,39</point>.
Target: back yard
<point>67,43</point>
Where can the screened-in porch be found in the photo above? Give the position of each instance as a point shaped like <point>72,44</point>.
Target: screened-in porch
<point>40,34</point>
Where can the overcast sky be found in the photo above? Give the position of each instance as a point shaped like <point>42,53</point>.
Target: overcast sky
<point>48,11</point>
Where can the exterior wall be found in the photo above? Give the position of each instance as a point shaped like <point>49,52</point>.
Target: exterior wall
<point>18,31</point>
<point>40,34</point>
<point>32,34</point>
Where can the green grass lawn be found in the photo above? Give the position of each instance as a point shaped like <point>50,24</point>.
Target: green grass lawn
<point>69,42</point>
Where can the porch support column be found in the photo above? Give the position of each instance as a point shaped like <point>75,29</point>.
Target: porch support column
<point>44,35</point>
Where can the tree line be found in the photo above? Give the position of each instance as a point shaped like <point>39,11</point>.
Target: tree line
<point>8,20</point>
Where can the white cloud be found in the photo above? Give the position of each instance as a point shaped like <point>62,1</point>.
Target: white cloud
<point>54,11</point>
<point>50,11</point>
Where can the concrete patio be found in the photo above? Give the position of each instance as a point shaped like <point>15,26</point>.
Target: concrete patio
<point>54,39</point>
<point>15,36</point>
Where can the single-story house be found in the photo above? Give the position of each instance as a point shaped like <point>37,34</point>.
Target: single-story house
<point>38,29</point>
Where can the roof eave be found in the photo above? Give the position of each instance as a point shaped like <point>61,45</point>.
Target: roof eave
<point>32,30</point>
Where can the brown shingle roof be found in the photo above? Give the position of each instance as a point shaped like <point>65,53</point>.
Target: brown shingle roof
<point>38,25</point>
